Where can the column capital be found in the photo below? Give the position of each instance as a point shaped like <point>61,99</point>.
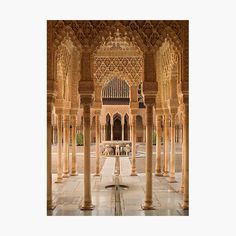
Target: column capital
<point>51,97</point>
<point>66,118</point>
<point>134,112</point>
<point>73,111</point>
<point>62,106</point>
<point>149,100</point>
<point>173,111</point>
<point>173,105</point>
<point>159,112</point>
<point>73,120</point>
<point>172,119</point>
<point>97,112</point>
<point>166,111</point>
<point>183,108</point>
<point>86,100</point>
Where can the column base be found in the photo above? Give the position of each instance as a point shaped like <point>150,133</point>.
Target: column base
<point>172,180</point>
<point>133,174</point>
<point>86,207</point>
<point>158,174</point>
<point>185,206</point>
<point>74,174</point>
<point>51,205</point>
<point>147,206</point>
<point>166,174</point>
<point>59,180</point>
<point>66,175</point>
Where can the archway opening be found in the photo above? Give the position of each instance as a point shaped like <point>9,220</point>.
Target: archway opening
<point>117,127</point>
<point>108,128</point>
<point>126,128</point>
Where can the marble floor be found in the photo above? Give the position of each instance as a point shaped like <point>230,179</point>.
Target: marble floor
<point>166,196</point>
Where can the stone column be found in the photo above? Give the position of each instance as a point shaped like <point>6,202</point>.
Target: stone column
<point>103,133</point>
<point>133,170</point>
<point>122,127</point>
<point>166,130</point>
<point>130,132</point>
<point>50,203</point>
<point>172,159</point>
<point>73,133</point>
<point>112,130</point>
<point>86,101</point>
<point>54,134</point>
<point>144,133</point>
<point>97,123</point>
<point>177,134</point>
<point>182,176</point>
<point>186,159</point>
<point>51,96</point>
<point>158,147</point>
<point>163,139</point>
<point>59,149</point>
<point>66,127</point>
<point>149,118</point>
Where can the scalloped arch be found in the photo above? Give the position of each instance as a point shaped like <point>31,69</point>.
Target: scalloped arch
<point>117,114</point>
<point>125,31</point>
<point>62,33</point>
<point>170,35</point>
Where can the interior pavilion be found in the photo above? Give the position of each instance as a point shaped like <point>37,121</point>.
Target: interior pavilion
<point>122,88</point>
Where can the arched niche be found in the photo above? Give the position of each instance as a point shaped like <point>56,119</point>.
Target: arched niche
<point>108,127</point>
<point>117,127</point>
<point>126,127</point>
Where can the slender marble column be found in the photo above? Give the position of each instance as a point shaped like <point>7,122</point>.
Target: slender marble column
<point>66,146</point>
<point>122,128</point>
<point>186,159</point>
<point>103,133</point>
<point>158,147</point>
<point>50,204</point>
<point>144,133</point>
<point>97,121</point>
<point>87,200</point>
<point>54,134</point>
<point>133,170</point>
<point>130,132</point>
<point>182,176</point>
<point>59,149</point>
<point>112,131</point>
<point>148,193</point>
<point>166,171</point>
<point>73,133</point>
<point>172,160</point>
<point>163,160</point>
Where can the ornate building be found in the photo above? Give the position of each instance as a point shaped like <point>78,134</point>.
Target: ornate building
<point>117,80</point>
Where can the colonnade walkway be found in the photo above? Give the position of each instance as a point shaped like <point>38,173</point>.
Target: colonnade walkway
<point>166,196</point>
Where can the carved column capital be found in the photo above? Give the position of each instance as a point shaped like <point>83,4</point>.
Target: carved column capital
<point>86,100</point>
<point>73,120</point>
<point>66,119</point>
<point>97,112</point>
<point>149,100</point>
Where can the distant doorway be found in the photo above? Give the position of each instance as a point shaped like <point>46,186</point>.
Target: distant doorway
<point>117,128</point>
